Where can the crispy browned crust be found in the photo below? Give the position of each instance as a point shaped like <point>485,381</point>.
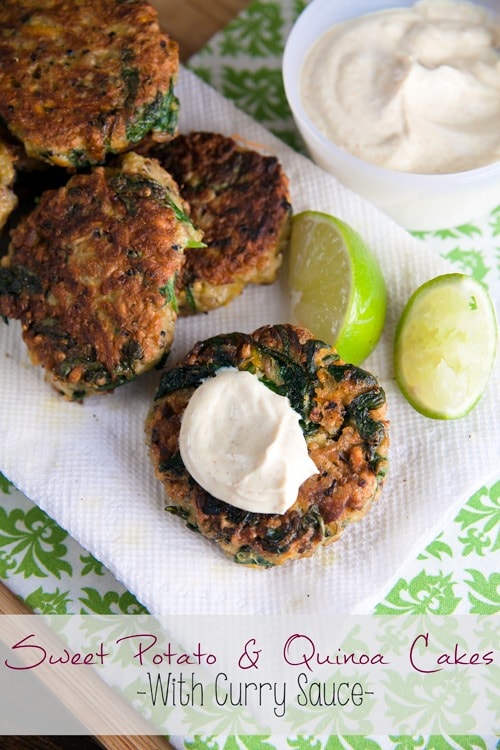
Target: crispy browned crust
<point>82,79</point>
<point>343,411</point>
<point>8,199</point>
<point>240,199</point>
<point>22,162</point>
<point>91,273</point>
<point>20,188</point>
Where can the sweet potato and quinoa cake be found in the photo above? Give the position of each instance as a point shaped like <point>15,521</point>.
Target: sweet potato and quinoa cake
<point>343,418</point>
<point>8,199</point>
<point>239,198</point>
<point>81,79</point>
<point>91,272</point>
<point>20,187</point>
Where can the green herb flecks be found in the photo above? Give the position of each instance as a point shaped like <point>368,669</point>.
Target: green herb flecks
<point>195,244</point>
<point>311,349</point>
<point>185,376</point>
<point>130,353</point>
<point>176,511</point>
<point>95,374</point>
<point>190,298</point>
<point>78,158</point>
<point>350,372</point>
<point>313,520</point>
<point>168,291</point>
<point>130,189</point>
<point>277,540</point>
<point>18,279</point>
<point>51,328</point>
<point>131,79</point>
<point>288,375</point>
<point>162,115</point>
<point>290,380</point>
<point>359,410</point>
<point>247,556</point>
<point>175,464</point>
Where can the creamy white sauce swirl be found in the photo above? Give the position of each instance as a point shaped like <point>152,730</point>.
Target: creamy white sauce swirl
<point>243,443</point>
<point>413,89</point>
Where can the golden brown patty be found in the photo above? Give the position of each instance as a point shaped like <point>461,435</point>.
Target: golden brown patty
<point>343,412</point>
<point>91,274</point>
<point>22,181</point>
<point>239,198</point>
<point>8,199</point>
<point>81,79</point>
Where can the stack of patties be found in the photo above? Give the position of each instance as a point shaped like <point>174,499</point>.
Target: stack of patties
<point>99,268</point>
<point>90,271</point>
<point>127,224</point>
<point>81,80</point>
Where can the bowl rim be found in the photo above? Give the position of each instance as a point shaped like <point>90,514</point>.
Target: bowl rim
<point>291,87</point>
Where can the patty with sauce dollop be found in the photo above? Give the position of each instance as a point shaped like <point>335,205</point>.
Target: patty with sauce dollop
<point>343,418</point>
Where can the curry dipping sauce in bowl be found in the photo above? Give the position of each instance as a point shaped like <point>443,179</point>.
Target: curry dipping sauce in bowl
<point>400,100</point>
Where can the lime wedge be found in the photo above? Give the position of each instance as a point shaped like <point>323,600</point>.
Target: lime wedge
<point>337,287</point>
<point>445,346</point>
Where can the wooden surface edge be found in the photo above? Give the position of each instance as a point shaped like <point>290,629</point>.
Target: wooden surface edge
<point>191,23</point>
<point>89,691</point>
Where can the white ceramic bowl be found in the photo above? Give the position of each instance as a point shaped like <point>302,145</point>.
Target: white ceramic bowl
<point>416,201</point>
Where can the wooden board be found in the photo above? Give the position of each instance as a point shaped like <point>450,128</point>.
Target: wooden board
<point>192,22</point>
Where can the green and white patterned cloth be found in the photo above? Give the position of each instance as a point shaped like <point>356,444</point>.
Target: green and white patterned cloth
<point>455,574</point>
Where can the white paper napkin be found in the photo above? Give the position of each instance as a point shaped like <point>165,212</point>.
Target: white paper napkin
<point>88,466</point>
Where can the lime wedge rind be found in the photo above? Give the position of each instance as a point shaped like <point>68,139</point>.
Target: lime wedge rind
<point>445,346</point>
<point>336,286</point>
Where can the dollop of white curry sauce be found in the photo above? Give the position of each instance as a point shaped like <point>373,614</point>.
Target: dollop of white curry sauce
<point>243,443</point>
<point>412,89</point>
